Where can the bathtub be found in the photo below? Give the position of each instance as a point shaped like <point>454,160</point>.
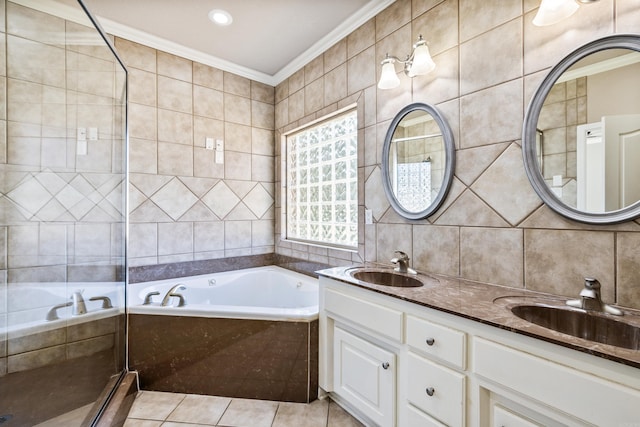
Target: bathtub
<point>249,333</point>
<point>34,339</point>
<point>264,293</point>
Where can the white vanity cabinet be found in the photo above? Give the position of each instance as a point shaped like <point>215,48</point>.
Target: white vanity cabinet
<point>359,346</point>
<point>395,363</point>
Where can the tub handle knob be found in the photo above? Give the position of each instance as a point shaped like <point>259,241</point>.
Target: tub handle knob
<point>106,301</point>
<point>147,299</point>
<point>385,365</point>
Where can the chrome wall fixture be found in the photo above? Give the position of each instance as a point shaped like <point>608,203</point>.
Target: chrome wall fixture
<point>418,63</point>
<point>552,11</point>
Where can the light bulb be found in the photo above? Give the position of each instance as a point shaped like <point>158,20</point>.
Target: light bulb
<point>422,63</point>
<point>388,77</point>
<point>220,17</point>
<point>552,11</point>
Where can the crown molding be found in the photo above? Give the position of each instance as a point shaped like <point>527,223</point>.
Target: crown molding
<point>123,31</point>
<point>347,27</point>
<point>155,42</point>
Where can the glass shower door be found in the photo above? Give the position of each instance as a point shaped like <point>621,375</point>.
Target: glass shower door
<point>62,215</point>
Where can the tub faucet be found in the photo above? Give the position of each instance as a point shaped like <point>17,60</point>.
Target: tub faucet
<point>590,299</point>
<point>52,314</point>
<point>172,293</point>
<point>402,261</point>
<point>79,307</point>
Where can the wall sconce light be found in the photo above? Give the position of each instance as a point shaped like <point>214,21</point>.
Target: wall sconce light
<point>417,64</point>
<point>552,11</point>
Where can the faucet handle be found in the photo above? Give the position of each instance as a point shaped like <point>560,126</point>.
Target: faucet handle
<point>591,283</point>
<point>401,255</point>
<point>106,301</point>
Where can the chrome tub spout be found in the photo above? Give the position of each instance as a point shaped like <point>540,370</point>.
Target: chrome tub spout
<point>172,293</point>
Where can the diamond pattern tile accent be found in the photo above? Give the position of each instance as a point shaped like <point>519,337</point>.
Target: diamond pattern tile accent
<point>505,187</point>
<point>259,200</point>
<point>174,198</point>
<point>51,211</point>
<point>240,212</point>
<point>148,184</point>
<point>69,197</point>
<point>136,198</point>
<point>30,195</point>
<point>51,181</point>
<point>220,199</point>
<point>63,197</point>
<point>149,212</point>
<point>375,199</point>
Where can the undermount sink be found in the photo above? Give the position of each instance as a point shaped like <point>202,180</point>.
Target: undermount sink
<point>581,324</point>
<point>386,278</point>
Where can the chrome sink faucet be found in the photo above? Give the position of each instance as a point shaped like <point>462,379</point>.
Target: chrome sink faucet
<point>402,262</point>
<point>172,293</point>
<point>590,299</point>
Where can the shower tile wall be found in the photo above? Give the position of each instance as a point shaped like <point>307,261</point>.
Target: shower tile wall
<point>489,60</point>
<point>184,206</point>
<point>61,212</point>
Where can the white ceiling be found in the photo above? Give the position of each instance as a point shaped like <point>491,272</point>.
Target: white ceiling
<point>267,41</point>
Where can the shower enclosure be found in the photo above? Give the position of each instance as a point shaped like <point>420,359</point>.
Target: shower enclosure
<point>62,214</point>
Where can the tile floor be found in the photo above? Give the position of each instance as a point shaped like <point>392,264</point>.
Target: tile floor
<point>158,409</point>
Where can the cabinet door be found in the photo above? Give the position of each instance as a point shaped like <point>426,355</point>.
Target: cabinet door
<point>364,375</point>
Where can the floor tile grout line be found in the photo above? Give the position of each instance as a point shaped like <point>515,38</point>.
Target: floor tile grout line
<point>223,412</point>
<point>275,414</point>
<point>174,409</point>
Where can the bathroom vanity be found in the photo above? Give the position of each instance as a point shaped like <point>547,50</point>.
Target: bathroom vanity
<point>451,353</point>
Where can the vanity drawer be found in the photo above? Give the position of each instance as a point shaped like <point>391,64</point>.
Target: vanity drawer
<point>436,390</point>
<point>382,320</point>
<point>503,417</point>
<point>417,418</point>
<point>437,341</point>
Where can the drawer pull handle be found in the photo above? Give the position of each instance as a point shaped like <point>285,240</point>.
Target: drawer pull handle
<point>430,391</point>
<point>430,341</point>
<point>385,365</point>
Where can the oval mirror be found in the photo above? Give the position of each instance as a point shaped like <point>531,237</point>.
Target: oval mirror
<point>418,159</point>
<point>581,134</point>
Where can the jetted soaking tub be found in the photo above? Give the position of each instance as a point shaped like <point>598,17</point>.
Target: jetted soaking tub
<point>249,333</point>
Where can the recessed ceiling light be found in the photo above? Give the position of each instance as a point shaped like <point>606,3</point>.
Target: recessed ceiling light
<point>220,17</point>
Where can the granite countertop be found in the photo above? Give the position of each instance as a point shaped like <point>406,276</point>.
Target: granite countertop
<point>491,305</point>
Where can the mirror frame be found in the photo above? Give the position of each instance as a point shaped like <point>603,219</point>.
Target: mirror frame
<point>449,148</point>
<point>529,152</point>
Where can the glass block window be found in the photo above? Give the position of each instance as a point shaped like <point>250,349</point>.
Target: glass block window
<point>322,182</point>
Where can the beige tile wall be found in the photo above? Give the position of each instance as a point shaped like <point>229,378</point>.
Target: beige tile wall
<point>59,208</point>
<point>493,227</point>
<point>183,205</point>
<point>62,213</point>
